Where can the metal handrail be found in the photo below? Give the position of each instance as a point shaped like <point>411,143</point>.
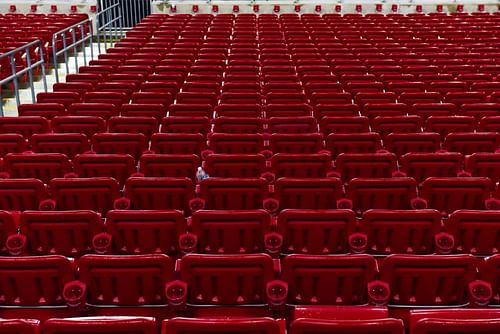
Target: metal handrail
<point>81,42</point>
<point>14,77</point>
<point>113,27</point>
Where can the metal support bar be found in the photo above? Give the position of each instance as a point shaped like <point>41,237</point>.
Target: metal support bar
<point>29,67</point>
<point>75,42</point>
<point>109,21</point>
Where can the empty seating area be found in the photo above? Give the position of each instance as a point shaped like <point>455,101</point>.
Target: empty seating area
<point>16,30</point>
<point>223,173</point>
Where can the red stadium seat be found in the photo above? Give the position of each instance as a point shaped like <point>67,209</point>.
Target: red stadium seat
<point>178,143</point>
<point>47,110</point>
<point>384,193</point>
<point>417,280</point>
<point>445,125</point>
<point>87,125</point>
<point>117,166</point>
<point>209,278</point>
<point>146,232</point>
<point>68,233</point>
<point>232,231</point>
<point>169,165</point>
<point>473,232</point>
<point>103,110</point>
<point>397,124</point>
<point>366,142</point>
<point>448,194</point>
<point>236,143</point>
<point>235,165</point>
<point>306,275</point>
<point>133,124</point>
<point>23,273</point>
<point>8,230</point>
<point>69,144</point>
<point>308,193</point>
<point>402,143</point>
<point>42,166</point>
<point>134,144</point>
<point>12,143</point>
<point>25,126</point>
<point>371,165</point>
<point>21,194</point>
<point>420,166</point>
<point>398,232</point>
<point>471,142</point>
<point>157,193</point>
<point>139,279</point>
<point>231,194</point>
<point>97,194</point>
<point>344,124</point>
<point>303,143</point>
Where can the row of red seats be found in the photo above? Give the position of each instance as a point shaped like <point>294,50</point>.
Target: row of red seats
<point>136,144</point>
<point>445,194</point>
<point>417,107</point>
<point>135,281</point>
<point>314,232</point>
<point>347,321</point>
<point>346,166</point>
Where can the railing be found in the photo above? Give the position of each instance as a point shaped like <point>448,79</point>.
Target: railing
<point>109,22</point>
<point>76,42</point>
<point>133,11</point>
<point>29,67</point>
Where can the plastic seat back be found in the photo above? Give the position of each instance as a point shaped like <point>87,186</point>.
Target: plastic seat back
<point>20,276</point>
<point>367,142</point>
<point>12,143</point>
<point>146,232</point>
<point>310,193</point>
<point>133,144</point>
<point>97,194</point>
<point>235,165</point>
<point>474,232</point>
<point>472,142</point>
<point>87,125</point>
<point>302,143</point>
<point>342,280</point>
<point>178,143</point>
<point>370,165</point>
<point>69,144</point>
<point>42,166</point>
<point>484,164</point>
<point>400,232</point>
<point>450,194</point>
<point>25,126</point>
<point>68,233</point>
<point>236,143</point>
<point>402,143</point>
<point>21,194</point>
<point>117,166</point>
<point>383,193</point>
<point>211,278</point>
<point>159,193</point>
<point>169,165</point>
<point>423,165</point>
<point>432,280</point>
<point>126,280</point>
<point>231,231</point>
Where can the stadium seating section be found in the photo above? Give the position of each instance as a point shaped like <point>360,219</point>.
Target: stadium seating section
<point>352,166</point>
